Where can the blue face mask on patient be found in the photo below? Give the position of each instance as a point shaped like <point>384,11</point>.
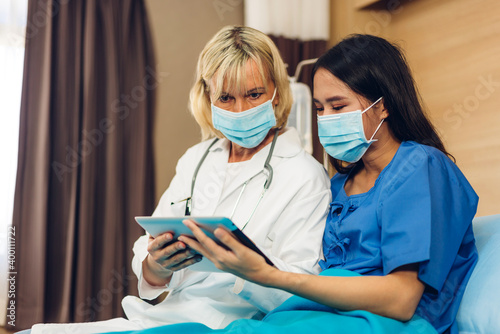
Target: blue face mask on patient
<point>247,128</point>
<point>343,136</point>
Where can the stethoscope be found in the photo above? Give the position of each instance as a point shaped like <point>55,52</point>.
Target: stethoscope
<point>269,179</point>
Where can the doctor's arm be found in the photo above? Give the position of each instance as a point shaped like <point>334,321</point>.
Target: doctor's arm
<point>156,259</point>
<point>395,295</point>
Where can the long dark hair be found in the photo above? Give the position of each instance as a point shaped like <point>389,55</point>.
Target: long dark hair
<point>372,67</point>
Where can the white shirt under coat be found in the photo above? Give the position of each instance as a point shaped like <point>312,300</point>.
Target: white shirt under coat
<point>287,226</point>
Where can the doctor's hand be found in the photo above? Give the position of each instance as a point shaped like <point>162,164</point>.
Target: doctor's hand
<point>236,258</point>
<point>166,256</point>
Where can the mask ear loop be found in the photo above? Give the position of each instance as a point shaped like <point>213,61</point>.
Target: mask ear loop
<point>374,103</point>
<point>378,127</point>
<point>274,94</point>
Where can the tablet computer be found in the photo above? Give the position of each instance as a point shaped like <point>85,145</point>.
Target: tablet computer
<point>158,225</point>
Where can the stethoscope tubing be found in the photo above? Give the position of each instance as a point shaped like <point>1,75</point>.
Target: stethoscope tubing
<point>267,184</point>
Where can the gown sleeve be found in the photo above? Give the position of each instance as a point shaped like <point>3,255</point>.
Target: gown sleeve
<point>425,211</point>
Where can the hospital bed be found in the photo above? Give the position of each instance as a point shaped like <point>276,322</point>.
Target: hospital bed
<point>479,310</point>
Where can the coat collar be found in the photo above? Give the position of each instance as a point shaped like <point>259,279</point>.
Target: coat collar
<point>287,145</point>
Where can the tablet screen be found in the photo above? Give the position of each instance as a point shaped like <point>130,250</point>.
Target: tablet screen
<point>158,225</point>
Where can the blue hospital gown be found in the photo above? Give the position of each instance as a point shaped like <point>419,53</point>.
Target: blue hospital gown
<point>420,210</point>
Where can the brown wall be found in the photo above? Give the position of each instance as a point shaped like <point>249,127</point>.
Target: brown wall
<point>453,47</point>
<point>181,28</point>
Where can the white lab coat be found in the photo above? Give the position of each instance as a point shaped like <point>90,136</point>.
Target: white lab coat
<point>287,225</point>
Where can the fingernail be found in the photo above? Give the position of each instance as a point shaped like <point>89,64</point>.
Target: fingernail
<point>218,233</point>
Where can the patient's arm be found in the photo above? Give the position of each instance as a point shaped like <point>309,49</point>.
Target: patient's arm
<point>395,295</point>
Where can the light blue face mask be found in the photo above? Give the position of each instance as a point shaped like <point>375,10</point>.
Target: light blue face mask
<point>343,136</point>
<point>247,128</point>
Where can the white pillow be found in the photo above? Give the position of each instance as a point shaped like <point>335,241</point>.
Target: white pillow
<point>479,310</point>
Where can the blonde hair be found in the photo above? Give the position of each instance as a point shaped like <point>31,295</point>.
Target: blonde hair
<point>227,54</point>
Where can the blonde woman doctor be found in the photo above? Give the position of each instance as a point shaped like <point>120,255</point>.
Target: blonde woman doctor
<point>251,168</point>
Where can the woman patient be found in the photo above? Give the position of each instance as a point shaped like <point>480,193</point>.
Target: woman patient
<point>398,245</point>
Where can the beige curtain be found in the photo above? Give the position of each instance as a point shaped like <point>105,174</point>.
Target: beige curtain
<point>85,166</point>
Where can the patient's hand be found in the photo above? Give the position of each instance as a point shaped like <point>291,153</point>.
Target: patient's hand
<point>234,258</point>
<point>166,255</point>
